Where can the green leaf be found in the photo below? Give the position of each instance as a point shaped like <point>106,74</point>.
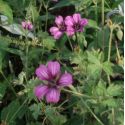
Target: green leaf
<point>46,40</point>
<point>6,10</point>
<point>66,3</point>
<point>93,57</point>
<point>17,29</point>
<point>101,89</point>
<point>110,102</point>
<point>54,117</point>
<point>49,42</point>
<point>36,110</point>
<point>61,42</point>
<point>34,123</point>
<point>3,87</point>
<point>114,90</point>
<point>13,111</point>
<point>75,120</point>
<point>34,13</point>
<point>93,24</point>
<point>107,67</point>
<point>82,41</point>
<point>93,70</point>
<point>49,17</point>
<point>3,46</point>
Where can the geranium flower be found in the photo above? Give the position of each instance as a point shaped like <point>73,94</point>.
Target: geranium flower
<point>27,25</point>
<point>55,80</point>
<point>75,24</point>
<point>58,30</point>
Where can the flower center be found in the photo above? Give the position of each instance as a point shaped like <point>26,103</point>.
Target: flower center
<point>52,83</point>
<point>77,26</point>
<point>62,27</point>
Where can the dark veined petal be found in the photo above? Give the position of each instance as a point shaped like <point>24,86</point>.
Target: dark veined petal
<point>59,20</point>
<point>84,22</point>
<point>69,21</point>
<point>53,68</point>
<point>77,18</point>
<point>53,95</point>
<point>54,30</point>
<point>24,24</point>
<point>65,80</point>
<point>70,31</point>
<point>40,91</point>
<point>42,73</point>
<point>57,35</point>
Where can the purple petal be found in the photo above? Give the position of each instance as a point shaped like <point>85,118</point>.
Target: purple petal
<point>84,22</point>
<point>81,29</point>
<point>29,25</point>
<point>24,24</point>
<point>54,30</point>
<point>69,21</point>
<point>53,68</point>
<point>40,91</point>
<point>59,20</point>
<point>53,95</point>
<point>57,35</point>
<point>66,80</point>
<point>70,31</point>
<point>42,73</point>
<point>77,18</point>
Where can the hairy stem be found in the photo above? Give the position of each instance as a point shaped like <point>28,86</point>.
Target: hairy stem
<point>113,116</point>
<point>94,115</point>
<point>110,44</point>
<point>77,93</point>
<point>117,50</point>
<point>70,43</point>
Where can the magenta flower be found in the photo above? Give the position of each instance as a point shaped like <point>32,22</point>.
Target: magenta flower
<point>58,30</point>
<point>75,24</point>
<point>54,81</point>
<point>27,25</point>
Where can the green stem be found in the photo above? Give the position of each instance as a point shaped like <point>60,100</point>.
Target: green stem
<point>117,50</point>
<point>113,116</point>
<point>101,123</point>
<point>77,93</point>
<point>46,7</point>
<point>78,41</point>
<point>40,7</point>
<point>44,121</point>
<point>8,83</point>
<point>17,110</point>
<point>96,12</point>
<point>109,50</point>
<point>26,51</point>
<point>83,95</point>
<point>26,65</point>
<point>103,5</point>
<point>70,43</point>
<point>96,17</point>
<point>110,44</point>
<point>46,20</point>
